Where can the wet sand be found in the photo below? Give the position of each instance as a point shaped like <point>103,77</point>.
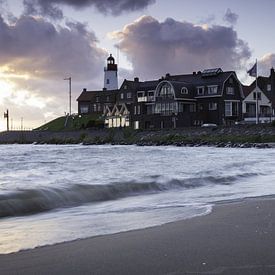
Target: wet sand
<point>236,238</point>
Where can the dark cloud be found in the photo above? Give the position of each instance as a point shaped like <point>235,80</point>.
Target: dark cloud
<point>38,48</point>
<point>230,17</point>
<point>35,56</point>
<point>155,48</point>
<point>114,7</point>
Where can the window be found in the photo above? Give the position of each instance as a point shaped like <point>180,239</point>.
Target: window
<point>107,98</point>
<point>268,87</point>
<point>125,87</point>
<point>94,107</point>
<point>230,91</point>
<point>231,108</point>
<point>231,80</point>
<point>184,91</point>
<point>138,109</point>
<point>201,107</point>
<point>122,96</point>
<point>212,90</point>
<point>157,108</point>
<point>166,91</point>
<point>98,107</point>
<point>151,95</point>
<point>259,96</point>
<point>200,90</point>
<point>97,99</point>
<point>140,94</point>
<point>129,95</point>
<point>84,109</point>
<point>107,81</point>
<point>213,106</point>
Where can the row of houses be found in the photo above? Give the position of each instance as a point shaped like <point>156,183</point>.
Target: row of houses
<point>210,96</point>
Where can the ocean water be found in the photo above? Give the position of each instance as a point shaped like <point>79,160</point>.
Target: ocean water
<point>55,193</point>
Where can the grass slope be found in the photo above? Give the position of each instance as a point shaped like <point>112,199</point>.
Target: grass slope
<point>72,123</point>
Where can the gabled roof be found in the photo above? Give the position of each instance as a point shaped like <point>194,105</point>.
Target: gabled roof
<point>198,79</point>
<point>90,95</point>
<point>248,89</point>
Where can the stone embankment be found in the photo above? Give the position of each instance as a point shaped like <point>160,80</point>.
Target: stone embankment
<point>260,136</point>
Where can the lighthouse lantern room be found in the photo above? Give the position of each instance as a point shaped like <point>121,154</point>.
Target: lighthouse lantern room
<point>110,74</point>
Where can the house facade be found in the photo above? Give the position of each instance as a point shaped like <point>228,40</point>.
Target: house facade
<point>211,96</point>
<point>262,96</point>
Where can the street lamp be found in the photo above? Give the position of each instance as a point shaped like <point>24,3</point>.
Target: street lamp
<point>70,94</point>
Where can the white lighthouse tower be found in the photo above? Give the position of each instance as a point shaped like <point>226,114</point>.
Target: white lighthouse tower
<point>110,74</point>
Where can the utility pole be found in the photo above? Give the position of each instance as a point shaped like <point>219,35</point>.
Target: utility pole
<point>70,94</point>
<point>6,115</point>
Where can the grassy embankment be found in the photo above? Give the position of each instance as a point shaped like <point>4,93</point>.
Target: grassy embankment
<point>72,123</point>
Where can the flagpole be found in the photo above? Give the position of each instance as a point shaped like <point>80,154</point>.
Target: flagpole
<point>257,109</point>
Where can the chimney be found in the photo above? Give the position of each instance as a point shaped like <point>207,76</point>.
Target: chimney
<point>136,79</point>
<point>194,73</point>
<point>84,90</point>
<point>104,89</point>
<point>167,75</point>
<point>199,72</point>
<point>271,71</point>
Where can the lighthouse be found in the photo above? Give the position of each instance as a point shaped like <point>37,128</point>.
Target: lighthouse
<point>110,74</point>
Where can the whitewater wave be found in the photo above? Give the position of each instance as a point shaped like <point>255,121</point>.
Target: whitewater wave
<point>32,201</point>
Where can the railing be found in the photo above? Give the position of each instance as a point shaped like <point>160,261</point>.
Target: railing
<point>142,99</point>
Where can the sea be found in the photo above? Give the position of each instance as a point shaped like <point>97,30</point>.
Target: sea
<point>55,193</point>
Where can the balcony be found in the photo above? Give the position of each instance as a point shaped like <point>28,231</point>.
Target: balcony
<point>142,99</point>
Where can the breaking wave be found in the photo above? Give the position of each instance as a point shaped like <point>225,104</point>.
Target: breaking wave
<point>32,201</point>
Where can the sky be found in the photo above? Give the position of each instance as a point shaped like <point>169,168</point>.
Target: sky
<point>43,42</point>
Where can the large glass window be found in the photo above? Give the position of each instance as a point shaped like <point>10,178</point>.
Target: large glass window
<point>166,91</point>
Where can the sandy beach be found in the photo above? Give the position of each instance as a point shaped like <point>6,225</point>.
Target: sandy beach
<point>236,238</point>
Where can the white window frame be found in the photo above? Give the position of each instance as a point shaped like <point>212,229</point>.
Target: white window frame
<point>184,91</point>
<point>268,87</point>
<point>121,95</point>
<point>200,90</point>
<point>213,89</point>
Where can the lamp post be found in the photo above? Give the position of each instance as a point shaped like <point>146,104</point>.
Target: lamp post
<point>70,94</point>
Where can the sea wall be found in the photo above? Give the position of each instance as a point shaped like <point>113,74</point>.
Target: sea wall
<point>236,136</point>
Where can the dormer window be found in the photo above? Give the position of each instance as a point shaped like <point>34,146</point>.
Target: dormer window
<point>230,91</point>
<point>268,87</point>
<point>212,90</point>
<point>184,91</point>
<point>200,90</point>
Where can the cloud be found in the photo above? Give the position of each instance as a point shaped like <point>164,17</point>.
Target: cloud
<point>266,63</point>
<point>230,17</point>
<point>35,56</point>
<point>155,48</point>
<point>114,7</point>
<point>36,47</point>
